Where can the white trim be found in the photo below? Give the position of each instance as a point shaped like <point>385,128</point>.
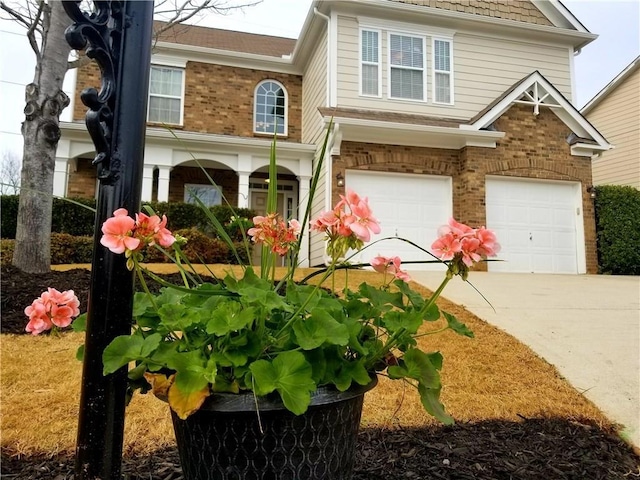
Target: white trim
<point>450,72</point>
<point>413,29</point>
<point>558,14</point>
<point>168,60</point>
<point>333,67</point>
<point>182,94</point>
<point>361,62</point>
<point>286,107</point>
<point>572,73</point>
<point>393,133</point>
<point>424,69</point>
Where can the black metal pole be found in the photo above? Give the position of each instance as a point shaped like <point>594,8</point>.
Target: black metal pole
<point>118,36</point>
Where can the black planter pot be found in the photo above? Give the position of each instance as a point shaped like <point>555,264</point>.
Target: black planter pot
<point>224,440</point>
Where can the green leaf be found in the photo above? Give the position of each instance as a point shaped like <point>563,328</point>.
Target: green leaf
<point>414,297</point>
<point>397,320</point>
<point>381,299</point>
<point>432,314</point>
<point>417,365</point>
<point>80,323</point>
<point>457,326</point>
<point>350,372</point>
<point>291,375</point>
<point>128,348</point>
<point>80,353</point>
<point>141,303</point>
<point>319,328</point>
<point>176,317</point>
<point>228,317</point>
<point>430,399</point>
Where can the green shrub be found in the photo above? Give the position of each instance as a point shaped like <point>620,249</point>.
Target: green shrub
<point>66,249</point>
<point>6,251</point>
<point>618,229</point>
<point>202,248</point>
<point>69,217</point>
<point>9,209</point>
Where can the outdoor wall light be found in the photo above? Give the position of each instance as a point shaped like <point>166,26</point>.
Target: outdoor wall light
<point>592,191</point>
<point>340,179</point>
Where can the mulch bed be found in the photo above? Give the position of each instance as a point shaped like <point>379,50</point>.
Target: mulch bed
<point>532,449</point>
<point>550,449</point>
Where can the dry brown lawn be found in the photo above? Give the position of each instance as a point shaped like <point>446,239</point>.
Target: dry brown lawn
<point>492,376</point>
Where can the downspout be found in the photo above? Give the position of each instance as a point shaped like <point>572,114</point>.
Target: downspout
<point>572,69</point>
<point>328,79</point>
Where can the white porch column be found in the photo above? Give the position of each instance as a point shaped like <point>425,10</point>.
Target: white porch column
<point>303,196</point>
<point>243,189</point>
<point>164,174</point>
<point>61,177</point>
<point>147,183</point>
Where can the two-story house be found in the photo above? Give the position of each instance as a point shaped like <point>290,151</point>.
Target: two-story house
<point>439,109</point>
<point>615,112</point>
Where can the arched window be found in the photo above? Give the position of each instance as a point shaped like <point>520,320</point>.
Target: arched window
<point>270,108</point>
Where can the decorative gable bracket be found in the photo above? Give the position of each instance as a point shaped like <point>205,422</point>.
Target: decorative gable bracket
<point>536,91</point>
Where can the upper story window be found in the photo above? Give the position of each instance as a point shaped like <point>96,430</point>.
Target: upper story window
<point>406,67</point>
<point>166,94</point>
<point>270,108</point>
<point>370,71</point>
<point>442,72</point>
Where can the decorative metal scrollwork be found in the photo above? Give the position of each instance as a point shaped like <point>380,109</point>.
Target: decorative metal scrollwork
<point>99,34</point>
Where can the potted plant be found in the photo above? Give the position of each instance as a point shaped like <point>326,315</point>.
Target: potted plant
<point>265,375</point>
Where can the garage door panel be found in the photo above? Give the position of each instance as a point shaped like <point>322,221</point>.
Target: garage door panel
<point>535,222</point>
<point>407,206</point>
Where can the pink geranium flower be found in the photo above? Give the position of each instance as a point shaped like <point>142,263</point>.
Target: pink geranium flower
<point>52,308</point>
<point>446,246</point>
<point>363,223</point>
<point>390,265</point>
<point>118,232</point>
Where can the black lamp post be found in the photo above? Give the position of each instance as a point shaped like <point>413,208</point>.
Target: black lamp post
<point>117,35</point>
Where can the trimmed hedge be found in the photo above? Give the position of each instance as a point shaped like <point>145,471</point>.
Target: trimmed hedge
<point>618,229</point>
<point>74,219</point>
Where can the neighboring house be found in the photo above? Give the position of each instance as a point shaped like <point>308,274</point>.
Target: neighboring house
<point>439,108</point>
<point>615,111</point>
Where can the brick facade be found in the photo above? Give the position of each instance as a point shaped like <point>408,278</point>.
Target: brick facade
<point>533,147</point>
<point>82,180</point>
<point>218,99</point>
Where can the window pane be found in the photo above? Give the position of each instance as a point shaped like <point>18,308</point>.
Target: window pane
<point>165,81</point>
<point>407,84</point>
<point>442,59</point>
<point>369,46</point>
<point>406,51</point>
<point>270,108</point>
<point>164,110</point>
<point>443,87</point>
<point>370,79</point>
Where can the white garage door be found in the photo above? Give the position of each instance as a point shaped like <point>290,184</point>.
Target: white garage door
<point>407,206</point>
<point>536,225</point>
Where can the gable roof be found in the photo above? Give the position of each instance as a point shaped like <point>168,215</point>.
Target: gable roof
<point>535,90</point>
<point>611,86</point>
<point>226,40</point>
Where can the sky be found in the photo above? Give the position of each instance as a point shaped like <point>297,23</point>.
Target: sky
<point>617,22</point>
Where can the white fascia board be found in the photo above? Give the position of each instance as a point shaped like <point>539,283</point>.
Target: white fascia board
<point>76,131</point>
<point>566,112</point>
<point>394,133</point>
<point>227,57</point>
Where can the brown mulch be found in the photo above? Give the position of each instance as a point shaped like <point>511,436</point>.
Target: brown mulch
<point>553,448</point>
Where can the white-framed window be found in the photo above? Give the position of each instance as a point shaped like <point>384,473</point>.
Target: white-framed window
<point>370,71</point>
<point>442,71</point>
<point>166,95</point>
<point>270,108</point>
<point>210,195</point>
<point>407,63</point>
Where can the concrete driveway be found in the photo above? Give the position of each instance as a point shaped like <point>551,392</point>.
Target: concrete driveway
<point>588,326</point>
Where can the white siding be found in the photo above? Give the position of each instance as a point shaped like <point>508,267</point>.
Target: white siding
<point>314,95</point>
<point>314,92</point>
<point>617,117</point>
<point>484,68</point>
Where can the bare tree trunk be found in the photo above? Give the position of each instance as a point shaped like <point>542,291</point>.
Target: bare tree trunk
<point>44,102</point>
